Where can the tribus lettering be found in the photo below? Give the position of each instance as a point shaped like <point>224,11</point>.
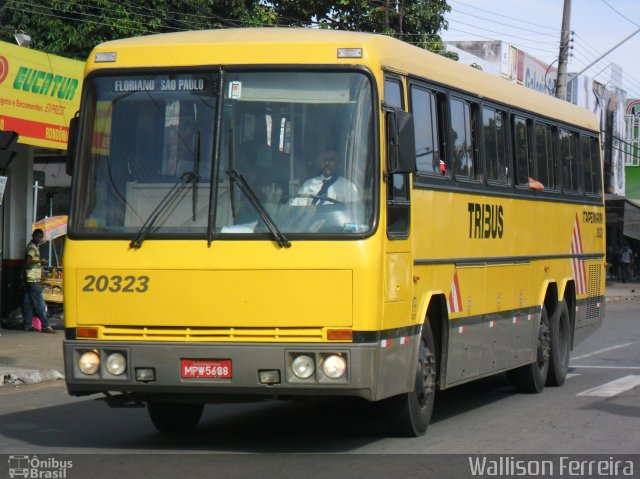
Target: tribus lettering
<point>485,221</point>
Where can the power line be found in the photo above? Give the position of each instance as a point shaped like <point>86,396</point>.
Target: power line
<point>632,85</point>
<point>537,32</point>
<point>555,30</point>
<point>627,81</point>
<point>619,13</point>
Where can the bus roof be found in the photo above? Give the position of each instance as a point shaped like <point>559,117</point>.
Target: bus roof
<point>297,46</point>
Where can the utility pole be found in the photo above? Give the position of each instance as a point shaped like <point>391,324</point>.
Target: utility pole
<point>563,57</point>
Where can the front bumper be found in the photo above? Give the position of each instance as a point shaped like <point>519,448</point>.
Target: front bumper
<point>247,360</point>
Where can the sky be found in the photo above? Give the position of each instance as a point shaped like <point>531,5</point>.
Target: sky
<point>534,26</point>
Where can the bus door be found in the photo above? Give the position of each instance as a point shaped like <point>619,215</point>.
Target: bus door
<point>398,264</point>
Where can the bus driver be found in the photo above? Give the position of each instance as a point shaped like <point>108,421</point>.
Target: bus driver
<point>329,184</point>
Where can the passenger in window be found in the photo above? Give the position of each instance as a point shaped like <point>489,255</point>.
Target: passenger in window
<point>327,188</point>
<point>535,184</point>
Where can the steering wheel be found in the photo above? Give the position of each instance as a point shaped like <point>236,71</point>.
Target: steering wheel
<point>315,197</point>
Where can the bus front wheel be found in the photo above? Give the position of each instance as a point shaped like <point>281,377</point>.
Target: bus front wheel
<point>174,417</point>
<point>560,332</point>
<point>409,414</point>
<point>532,377</point>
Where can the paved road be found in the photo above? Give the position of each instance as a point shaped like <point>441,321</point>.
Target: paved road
<point>482,417</point>
<point>597,411</point>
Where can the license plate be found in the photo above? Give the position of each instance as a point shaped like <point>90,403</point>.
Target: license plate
<point>206,368</point>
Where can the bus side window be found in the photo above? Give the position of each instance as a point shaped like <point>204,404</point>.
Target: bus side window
<point>590,165</point>
<point>398,195</point>
<point>521,150</point>
<point>596,166</point>
<point>545,155</point>
<point>424,107</point>
<point>393,93</point>
<point>462,141</point>
<point>494,131</point>
<point>569,161</point>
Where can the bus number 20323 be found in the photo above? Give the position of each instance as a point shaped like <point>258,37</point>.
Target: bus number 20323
<point>116,284</point>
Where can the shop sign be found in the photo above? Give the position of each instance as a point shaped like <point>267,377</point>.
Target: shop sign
<point>39,94</point>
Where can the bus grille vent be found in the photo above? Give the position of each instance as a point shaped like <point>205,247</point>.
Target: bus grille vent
<point>200,334</point>
<point>595,293</point>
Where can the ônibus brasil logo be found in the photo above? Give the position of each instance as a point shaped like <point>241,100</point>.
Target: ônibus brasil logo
<point>32,467</point>
<point>4,68</point>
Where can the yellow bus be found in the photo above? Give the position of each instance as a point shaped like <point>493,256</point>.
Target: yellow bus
<point>287,213</point>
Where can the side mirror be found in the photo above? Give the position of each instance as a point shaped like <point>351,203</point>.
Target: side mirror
<point>401,143</point>
<point>71,143</point>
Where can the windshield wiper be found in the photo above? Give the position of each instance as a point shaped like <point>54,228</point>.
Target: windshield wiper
<point>177,188</point>
<point>236,177</point>
<point>196,168</point>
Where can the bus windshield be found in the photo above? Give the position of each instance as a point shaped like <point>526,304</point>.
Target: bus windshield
<point>153,158</point>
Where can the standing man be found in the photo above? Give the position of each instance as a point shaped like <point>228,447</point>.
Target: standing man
<point>33,301</point>
<point>625,260</point>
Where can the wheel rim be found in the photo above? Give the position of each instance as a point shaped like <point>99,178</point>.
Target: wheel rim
<point>425,375</point>
<point>544,344</point>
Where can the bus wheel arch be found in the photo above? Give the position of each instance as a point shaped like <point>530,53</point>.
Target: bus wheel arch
<point>409,414</point>
<point>437,315</point>
<point>561,327</point>
<point>569,295</point>
<point>531,378</point>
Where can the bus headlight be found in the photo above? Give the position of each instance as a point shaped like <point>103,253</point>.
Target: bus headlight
<point>303,366</point>
<point>116,364</point>
<point>334,366</point>
<point>89,362</point>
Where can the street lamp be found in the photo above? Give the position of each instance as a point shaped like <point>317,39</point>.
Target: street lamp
<point>23,39</point>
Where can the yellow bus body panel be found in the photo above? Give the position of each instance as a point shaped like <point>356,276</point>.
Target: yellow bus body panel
<point>227,285</point>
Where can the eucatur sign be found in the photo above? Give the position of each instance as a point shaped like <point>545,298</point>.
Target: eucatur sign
<point>39,94</point>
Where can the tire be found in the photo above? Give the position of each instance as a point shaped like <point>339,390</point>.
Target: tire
<point>560,332</point>
<point>532,377</point>
<point>409,414</point>
<point>174,417</point>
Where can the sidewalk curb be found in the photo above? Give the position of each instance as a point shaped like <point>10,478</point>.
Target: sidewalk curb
<point>22,376</point>
<point>616,299</point>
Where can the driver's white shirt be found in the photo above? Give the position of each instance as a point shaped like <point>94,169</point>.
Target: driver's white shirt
<point>341,190</point>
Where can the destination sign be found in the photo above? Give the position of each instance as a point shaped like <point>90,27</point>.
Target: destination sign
<point>159,84</point>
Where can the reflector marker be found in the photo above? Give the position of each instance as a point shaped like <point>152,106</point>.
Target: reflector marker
<point>577,265</point>
<point>454,305</point>
<point>402,341</point>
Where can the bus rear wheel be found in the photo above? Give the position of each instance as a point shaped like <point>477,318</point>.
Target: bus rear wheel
<point>532,377</point>
<point>560,331</point>
<point>174,417</point>
<point>409,414</point>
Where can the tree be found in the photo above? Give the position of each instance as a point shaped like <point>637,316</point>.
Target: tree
<point>71,28</point>
<point>413,21</point>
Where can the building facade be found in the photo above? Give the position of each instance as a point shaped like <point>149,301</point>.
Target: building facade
<point>39,94</point>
